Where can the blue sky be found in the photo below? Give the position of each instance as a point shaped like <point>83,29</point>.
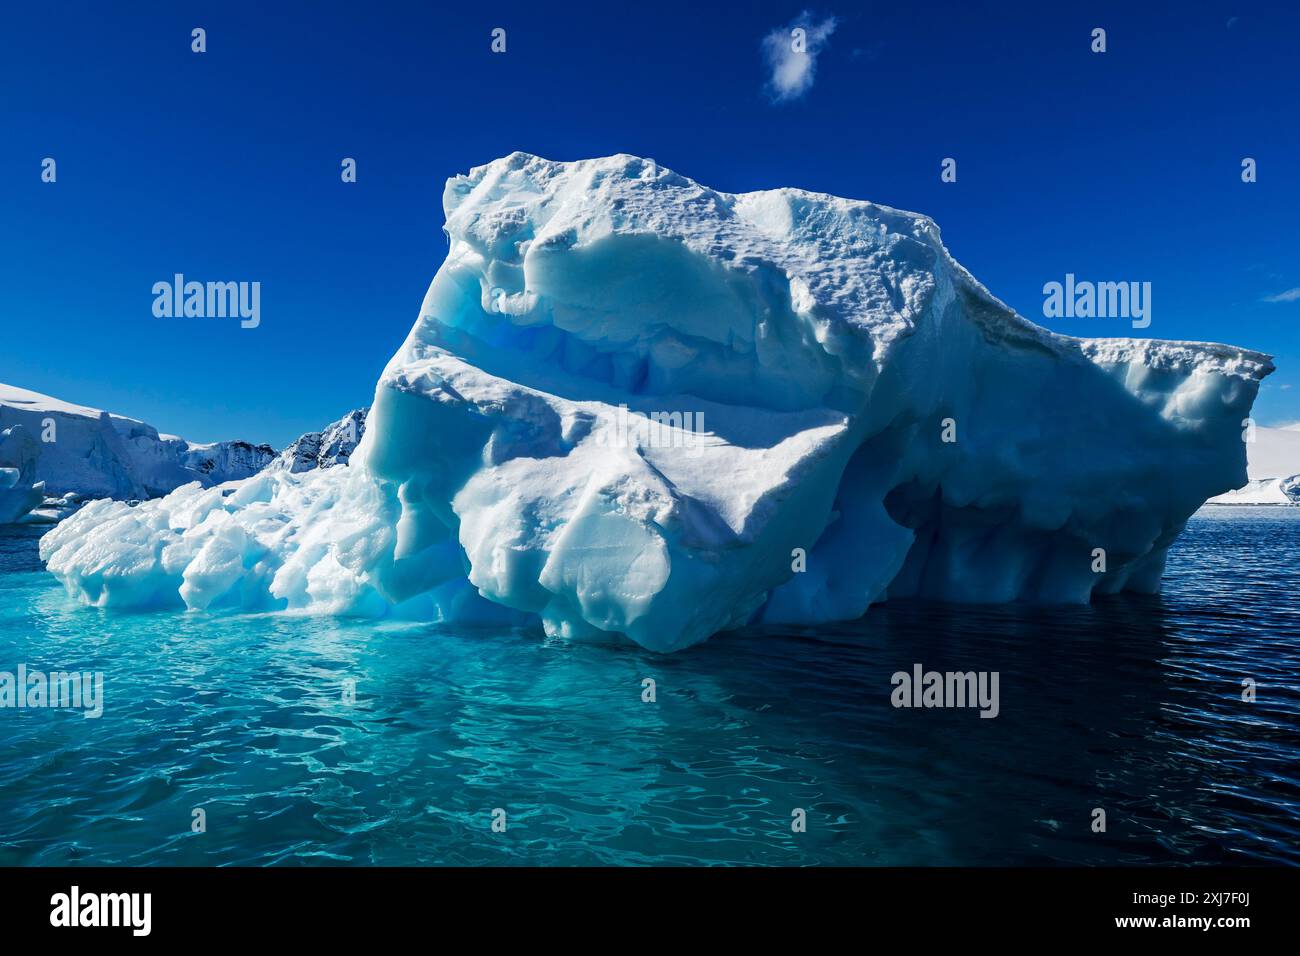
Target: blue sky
<point>225,166</point>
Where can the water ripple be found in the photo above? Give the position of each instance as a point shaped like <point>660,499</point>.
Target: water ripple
<point>1130,704</point>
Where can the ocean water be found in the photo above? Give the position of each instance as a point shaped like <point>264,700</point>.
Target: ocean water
<point>1132,705</point>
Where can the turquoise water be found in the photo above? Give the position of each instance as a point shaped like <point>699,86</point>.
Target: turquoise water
<point>1131,704</point>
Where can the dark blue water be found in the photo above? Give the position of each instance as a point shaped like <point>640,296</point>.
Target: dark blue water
<point>1132,705</point>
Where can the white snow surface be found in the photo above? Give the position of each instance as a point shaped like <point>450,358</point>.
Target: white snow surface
<point>823,348</point>
<point>1262,491</point>
<point>72,448</point>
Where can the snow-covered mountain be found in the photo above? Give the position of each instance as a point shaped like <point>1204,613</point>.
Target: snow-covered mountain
<point>633,405</point>
<point>333,446</point>
<point>96,454</point>
<point>1272,467</point>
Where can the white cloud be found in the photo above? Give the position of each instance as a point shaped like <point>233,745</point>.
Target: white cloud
<point>1290,295</point>
<point>792,58</point>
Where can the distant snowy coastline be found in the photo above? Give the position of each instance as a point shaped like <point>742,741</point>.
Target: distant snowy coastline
<point>55,455</point>
<point>1272,467</point>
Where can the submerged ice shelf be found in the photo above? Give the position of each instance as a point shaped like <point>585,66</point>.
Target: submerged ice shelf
<point>635,405</point>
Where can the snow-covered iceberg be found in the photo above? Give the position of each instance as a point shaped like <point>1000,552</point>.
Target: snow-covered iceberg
<point>635,405</point>
<point>52,510</point>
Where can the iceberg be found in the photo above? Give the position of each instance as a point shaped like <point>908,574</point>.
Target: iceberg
<point>52,510</point>
<point>17,498</point>
<point>634,407</point>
